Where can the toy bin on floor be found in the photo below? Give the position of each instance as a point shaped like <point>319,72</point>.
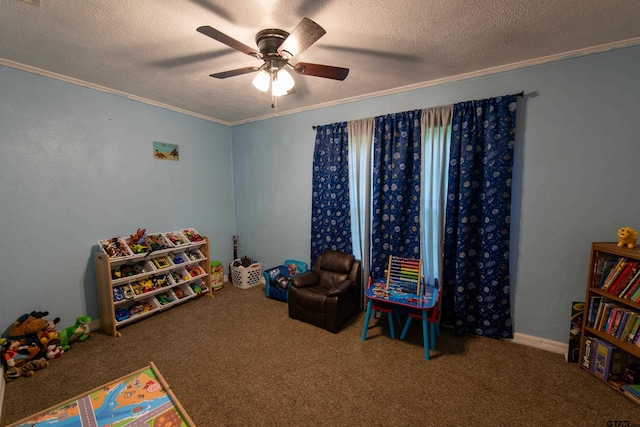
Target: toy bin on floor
<point>246,277</point>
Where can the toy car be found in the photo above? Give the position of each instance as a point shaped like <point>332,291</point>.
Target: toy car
<point>117,294</point>
<point>128,293</point>
<point>122,314</point>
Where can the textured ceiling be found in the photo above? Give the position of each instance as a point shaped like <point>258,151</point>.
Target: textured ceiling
<point>150,49</point>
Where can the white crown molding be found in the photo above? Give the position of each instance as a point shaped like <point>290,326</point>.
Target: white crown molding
<point>480,73</point>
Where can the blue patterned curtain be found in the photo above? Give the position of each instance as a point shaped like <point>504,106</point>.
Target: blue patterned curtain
<point>476,247</point>
<point>330,216</point>
<point>395,217</point>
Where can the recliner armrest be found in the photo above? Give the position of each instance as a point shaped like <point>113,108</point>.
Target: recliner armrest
<point>308,278</point>
<point>340,288</point>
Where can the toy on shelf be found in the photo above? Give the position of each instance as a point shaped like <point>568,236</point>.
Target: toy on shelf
<point>116,248</point>
<point>176,238</point>
<point>157,242</point>
<point>78,332</point>
<point>627,237</point>
<point>137,241</point>
<point>192,235</point>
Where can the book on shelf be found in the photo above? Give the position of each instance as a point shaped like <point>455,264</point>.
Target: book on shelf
<point>609,362</point>
<point>633,285</point>
<point>614,320</point>
<point>607,265</point>
<point>623,278</point>
<point>609,315</point>
<point>604,315</point>
<point>587,352</point>
<point>634,329</point>
<point>594,305</point>
<point>622,324</point>
<point>613,274</point>
<point>633,389</point>
<point>629,321</point>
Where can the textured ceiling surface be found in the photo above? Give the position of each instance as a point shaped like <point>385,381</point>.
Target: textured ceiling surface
<point>150,49</point>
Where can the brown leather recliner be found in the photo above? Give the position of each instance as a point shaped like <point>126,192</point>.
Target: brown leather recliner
<point>328,295</point>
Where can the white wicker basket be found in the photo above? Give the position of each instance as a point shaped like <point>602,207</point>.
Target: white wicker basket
<point>246,277</point>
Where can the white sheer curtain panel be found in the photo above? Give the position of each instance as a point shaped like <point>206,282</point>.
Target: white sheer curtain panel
<point>360,134</point>
<point>436,133</point>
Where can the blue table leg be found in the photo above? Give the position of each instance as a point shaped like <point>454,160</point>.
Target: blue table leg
<point>432,332</point>
<point>392,331</point>
<point>366,321</point>
<point>406,328</point>
<point>425,334</point>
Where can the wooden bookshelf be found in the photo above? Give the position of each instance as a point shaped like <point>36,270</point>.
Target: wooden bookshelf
<point>610,339</point>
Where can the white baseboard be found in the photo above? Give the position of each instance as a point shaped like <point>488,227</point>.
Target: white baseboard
<point>2,383</point>
<point>541,343</point>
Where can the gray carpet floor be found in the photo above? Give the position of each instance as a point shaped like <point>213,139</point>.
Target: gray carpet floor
<point>238,360</point>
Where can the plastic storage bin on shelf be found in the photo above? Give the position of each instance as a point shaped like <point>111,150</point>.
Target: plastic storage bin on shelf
<point>246,277</point>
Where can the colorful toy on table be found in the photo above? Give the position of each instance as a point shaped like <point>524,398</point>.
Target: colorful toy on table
<point>78,332</point>
<point>627,237</point>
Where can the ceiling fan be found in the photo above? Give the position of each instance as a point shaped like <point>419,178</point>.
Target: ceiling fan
<point>276,48</point>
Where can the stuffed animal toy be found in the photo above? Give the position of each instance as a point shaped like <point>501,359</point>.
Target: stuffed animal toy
<point>78,332</point>
<point>23,340</point>
<point>627,237</point>
<point>49,335</point>
<point>26,370</point>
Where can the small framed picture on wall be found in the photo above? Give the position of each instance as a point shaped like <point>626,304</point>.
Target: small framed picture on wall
<point>165,151</point>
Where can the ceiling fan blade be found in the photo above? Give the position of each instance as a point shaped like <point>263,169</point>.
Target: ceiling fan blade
<point>236,72</point>
<point>319,70</point>
<point>304,35</point>
<point>223,38</point>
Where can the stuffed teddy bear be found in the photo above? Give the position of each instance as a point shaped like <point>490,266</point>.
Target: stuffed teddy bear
<point>627,237</point>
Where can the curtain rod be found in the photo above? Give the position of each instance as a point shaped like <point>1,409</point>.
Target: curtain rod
<point>519,95</point>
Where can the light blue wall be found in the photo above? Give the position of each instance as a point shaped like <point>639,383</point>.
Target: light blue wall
<point>575,177</point>
<point>76,166</point>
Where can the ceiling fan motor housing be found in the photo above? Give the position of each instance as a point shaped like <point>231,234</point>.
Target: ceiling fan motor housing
<point>269,41</point>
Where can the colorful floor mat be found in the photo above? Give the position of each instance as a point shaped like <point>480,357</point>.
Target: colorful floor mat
<point>142,398</point>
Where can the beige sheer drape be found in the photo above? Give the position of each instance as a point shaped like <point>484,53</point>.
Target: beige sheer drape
<point>436,131</point>
<point>360,140</point>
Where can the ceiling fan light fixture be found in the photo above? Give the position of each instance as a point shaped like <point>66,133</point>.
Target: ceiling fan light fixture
<point>282,83</point>
<point>262,80</point>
